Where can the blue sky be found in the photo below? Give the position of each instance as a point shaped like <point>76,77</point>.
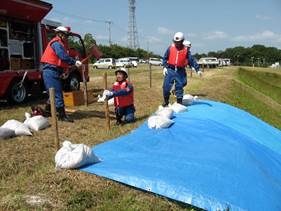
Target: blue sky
<point>210,25</point>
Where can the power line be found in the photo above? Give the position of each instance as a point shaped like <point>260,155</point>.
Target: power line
<point>109,22</point>
<point>80,17</point>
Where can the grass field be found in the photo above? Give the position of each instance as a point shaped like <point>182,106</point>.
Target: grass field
<point>28,179</point>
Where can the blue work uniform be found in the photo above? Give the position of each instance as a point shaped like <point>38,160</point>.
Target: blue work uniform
<point>177,75</point>
<point>52,74</point>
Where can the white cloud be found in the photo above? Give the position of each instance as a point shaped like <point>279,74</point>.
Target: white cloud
<point>124,39</point>
<point>88,22</point>
<point>216,35</point>
<point>164,30</point>
<point>101,37</point>
<point>153,40</point>
<point>265,35</point>
<point>263,17</point>
<point>190,35</point>
<point>197,45</point>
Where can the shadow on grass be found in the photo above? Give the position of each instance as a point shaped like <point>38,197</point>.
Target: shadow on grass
<point>88,114</point>
<point>31,101</point>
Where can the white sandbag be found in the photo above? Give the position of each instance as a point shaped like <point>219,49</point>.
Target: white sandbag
<point>111,102</point>
<point>71,156</point>
<point>37,122</point>
<point>188,99</point>
<point>178,107</point>
<point>6,133</point>
<point>101,99</point>
<point>159,122</point>
<point>165,112</point>
<point>18,127</point>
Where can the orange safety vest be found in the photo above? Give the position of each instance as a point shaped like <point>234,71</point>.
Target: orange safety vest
<point>123,101</point>
<point>178,58</point>
<point>50,57</point>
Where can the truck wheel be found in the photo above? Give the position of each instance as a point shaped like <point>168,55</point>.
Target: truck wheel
<point>72,83</point>
<point>110,67</point>
<point>17,93</point>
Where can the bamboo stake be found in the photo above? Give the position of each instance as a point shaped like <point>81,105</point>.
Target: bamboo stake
<point>54,118</point>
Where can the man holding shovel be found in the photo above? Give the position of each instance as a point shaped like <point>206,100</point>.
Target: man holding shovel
<point>54,60</point>
<point>176,58</point>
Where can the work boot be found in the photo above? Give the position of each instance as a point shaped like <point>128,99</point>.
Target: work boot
<point>119,120</point>
<point>47,111</point>
<point>62,115</point>
<point>166,101</point>
<point>179,100</point>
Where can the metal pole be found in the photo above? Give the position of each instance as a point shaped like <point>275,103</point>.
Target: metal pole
<point>150,75</point>
<point>85,86</point>
<point>106,108</point>
<point>54,118</point>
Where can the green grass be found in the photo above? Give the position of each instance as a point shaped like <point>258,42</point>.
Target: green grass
<point>27,163</point>
<point>264,82</point>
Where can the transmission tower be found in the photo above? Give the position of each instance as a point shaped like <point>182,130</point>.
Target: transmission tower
<point>133,41</point>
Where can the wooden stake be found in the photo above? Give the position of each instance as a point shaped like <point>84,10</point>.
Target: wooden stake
<point>54,118</point>
<point>150,76</point>
<point>106,108</point>
<point>85,85</point>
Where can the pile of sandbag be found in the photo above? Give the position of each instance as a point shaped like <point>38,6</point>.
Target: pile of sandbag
<point>101,99</point>
<point>19,128</point>
<point>161,118</point>
<point>71,156</point>
<point>36,123</point>
<point>188,99</point>
<point>14,127</point>
<point>6,133</point>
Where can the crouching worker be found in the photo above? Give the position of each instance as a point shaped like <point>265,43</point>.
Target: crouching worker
<point>123,93</point>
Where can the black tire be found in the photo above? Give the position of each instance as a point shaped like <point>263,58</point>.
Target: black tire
<point>110,67</point>
<point>17,93</point>
<point>72,83</point>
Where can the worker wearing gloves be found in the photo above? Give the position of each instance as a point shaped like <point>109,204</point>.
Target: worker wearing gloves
<point>55,60</point>
<point>187,44</point>
<point>176,58</point>
<point>123,93</point>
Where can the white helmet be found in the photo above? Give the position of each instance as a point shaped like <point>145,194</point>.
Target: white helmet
<point>122,69</point>
<point>178,36</point>
<point>62,29</point>
<point>187,43</point>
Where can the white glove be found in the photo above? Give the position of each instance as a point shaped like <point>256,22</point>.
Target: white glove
<point>200,73</point>
<point>165,71</point>
<point>107,93</point>
<point>78,63</point>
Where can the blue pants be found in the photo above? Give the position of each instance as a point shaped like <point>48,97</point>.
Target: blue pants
<point>179,77</point>
<point>51,77</point>
<point>128,112</point>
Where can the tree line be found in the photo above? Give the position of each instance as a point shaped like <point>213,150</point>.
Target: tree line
<point>259,55</point>
<point>116,51</point>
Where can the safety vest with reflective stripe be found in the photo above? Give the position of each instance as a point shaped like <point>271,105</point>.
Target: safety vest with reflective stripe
<point>50,57</point>
<point>126,100</point>
<point>178,58</point>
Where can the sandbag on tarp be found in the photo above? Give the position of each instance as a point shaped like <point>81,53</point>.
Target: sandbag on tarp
<point>214,157</point>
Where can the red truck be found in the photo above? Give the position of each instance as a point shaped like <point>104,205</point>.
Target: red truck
<point>23,37</point>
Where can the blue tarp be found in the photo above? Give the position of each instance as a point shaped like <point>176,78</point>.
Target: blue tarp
<point>214,157</point>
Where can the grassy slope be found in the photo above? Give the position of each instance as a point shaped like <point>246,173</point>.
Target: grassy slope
<point>27,166</point>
